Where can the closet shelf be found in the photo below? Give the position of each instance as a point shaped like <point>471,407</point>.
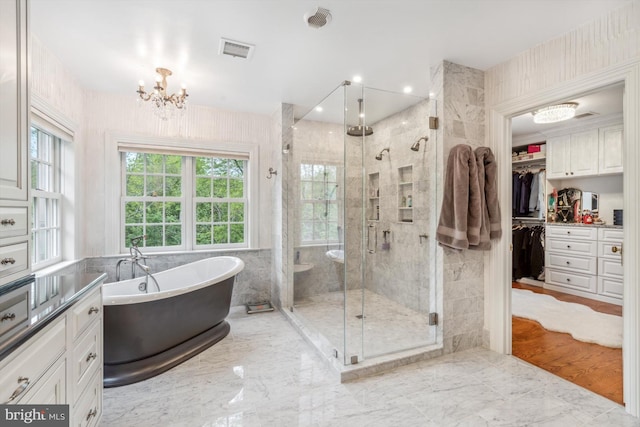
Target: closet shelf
<point>523,160</point>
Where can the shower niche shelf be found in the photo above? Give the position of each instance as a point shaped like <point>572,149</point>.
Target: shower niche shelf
<point>373,206</point>
<point>405,194</point>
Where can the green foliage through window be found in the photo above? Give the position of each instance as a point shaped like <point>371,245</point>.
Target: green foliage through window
<point>156,190</point>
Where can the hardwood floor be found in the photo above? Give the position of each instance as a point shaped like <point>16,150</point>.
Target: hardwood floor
<point>591,366</point>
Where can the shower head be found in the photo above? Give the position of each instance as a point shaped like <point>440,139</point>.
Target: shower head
<point>379,156</point>
<point>416,145</point>
<point>359,130</point>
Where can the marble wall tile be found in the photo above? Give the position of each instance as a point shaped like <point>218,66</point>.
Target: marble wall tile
<point>460,90</point>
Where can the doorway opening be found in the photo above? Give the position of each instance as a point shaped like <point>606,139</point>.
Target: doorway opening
<point>567,235</point>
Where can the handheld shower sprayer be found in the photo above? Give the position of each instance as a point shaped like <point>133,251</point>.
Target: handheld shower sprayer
<point>379,156</point>
<point>416,145</point>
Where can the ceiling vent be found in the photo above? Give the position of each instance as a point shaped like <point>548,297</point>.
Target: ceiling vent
<point>236,49</point>
<point>318,18</point>
<point>583,115</point>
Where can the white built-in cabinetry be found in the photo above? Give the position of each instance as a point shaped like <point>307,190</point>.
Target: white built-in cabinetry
<point>581,260</point>
<point>14,184</point>
<point>61,364</point>
<point>585,153</point>
<point>610,154</point>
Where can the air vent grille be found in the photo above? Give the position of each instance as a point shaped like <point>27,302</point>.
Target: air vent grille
<point>236,49</point>
<point>319,18</point>
<point>583,115</point>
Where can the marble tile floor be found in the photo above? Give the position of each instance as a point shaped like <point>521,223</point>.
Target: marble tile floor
<point>387,327</point>
<point>265,374</point>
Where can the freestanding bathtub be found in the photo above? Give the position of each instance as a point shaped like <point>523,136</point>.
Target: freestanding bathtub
<point>146,334</point>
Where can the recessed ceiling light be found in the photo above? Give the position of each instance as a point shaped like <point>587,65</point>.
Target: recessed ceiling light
<point>407,89</point>
<point>319,109</point>
<point>357,79</point>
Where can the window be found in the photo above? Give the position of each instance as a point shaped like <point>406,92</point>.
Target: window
<point>46,198</point>
<point>319,214</point>
<point>220,205</point>
<point>184,202</point>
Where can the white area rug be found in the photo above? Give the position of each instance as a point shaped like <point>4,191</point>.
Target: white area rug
<point>583,323</point>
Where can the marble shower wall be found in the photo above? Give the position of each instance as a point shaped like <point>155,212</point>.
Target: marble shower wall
<point>401,273</point>
<point>253,284</point>
<point>460,90</point>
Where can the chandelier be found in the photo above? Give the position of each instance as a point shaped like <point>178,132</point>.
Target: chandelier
<point>555,113</point>
<point>164,105</point>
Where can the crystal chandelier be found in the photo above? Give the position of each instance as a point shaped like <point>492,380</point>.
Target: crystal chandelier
<point>555,113</point>
<point>164,105</point>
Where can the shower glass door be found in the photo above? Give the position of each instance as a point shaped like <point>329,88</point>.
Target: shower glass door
<point>363,202</point>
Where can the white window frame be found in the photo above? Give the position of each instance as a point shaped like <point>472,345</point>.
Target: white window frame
<point>325,202</point>
<point>54,122</point>
<point>116,142</point>
<point>51,198</point>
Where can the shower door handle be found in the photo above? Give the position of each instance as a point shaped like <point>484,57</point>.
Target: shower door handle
<point>370,249</point>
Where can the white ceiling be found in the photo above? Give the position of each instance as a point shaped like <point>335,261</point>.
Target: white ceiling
<point>109,45</point>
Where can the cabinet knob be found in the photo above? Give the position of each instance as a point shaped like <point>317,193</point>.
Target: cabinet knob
<point>91,356</point>
<point>568,280</point>
<point>6,261</point>
<point>571,173</point>
<point>614,249</point>
<point>568,246</point>
<point>568,263</point>
<point>566,173</point>
<point>24,383</point>
<point>568,232</point>
<point>93,310</point>
<point>9,221</point>
<point>92,413</point>
<point>8,316</point>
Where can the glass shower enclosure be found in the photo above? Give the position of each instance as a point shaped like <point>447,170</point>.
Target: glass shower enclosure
<point>362,195</point>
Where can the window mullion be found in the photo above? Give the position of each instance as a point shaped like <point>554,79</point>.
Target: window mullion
<point>188,193</point>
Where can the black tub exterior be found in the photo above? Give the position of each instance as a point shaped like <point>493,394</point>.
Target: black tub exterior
<point>144,339</point>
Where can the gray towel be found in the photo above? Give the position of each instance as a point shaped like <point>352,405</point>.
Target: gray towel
<point>490,227</point>
<point>461,213</point>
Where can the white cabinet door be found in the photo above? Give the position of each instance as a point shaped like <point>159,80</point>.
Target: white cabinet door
<point>13,100</point>
<point>584,153</point>
<point>610,156</point>
<point>558,157</point>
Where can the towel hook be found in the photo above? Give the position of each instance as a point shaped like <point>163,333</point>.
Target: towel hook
<point>271,173</point>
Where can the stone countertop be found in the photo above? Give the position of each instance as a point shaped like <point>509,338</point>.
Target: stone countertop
<point>579,224</point>
<point>49,297</point>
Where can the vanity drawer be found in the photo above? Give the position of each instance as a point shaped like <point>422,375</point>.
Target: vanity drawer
<point>88,411</point>
<point>611,234</point>
<point>31,361</point>
<point>610,287</point>
<point>13,221</point>
<point>571,280</point>
<point>610,268</point>
<point>85,311</point>
<point>87,359</point>
<point>14,312</point>
<point>585,265</point>
<point>612,250</point>
<point>572,247</point>
<point>14,258</point>
<point>573,233</point>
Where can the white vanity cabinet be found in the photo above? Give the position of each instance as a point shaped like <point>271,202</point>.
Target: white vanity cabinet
<point>14,132</point>
<point>610,262</point>
<point>62,363</point>
<point>584,261</point>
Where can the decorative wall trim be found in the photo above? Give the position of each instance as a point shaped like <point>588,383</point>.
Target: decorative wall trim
<point>499,259</point>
